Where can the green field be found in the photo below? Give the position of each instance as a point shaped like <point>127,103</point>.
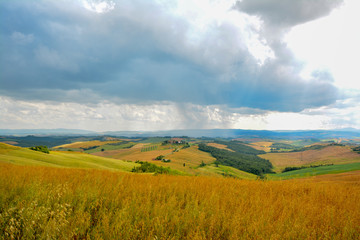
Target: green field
<point>308,172</point>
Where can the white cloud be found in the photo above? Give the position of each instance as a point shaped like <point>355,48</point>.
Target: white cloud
<point>219,33</point>
<point>107,116</point>
<point>331,43</point>
<point>98,6</point>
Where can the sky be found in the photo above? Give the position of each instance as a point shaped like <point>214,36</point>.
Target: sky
<point>143,65</point>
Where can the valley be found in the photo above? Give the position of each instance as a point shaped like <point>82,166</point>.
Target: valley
<point>161,187</point>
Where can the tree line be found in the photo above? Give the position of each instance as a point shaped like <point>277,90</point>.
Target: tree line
<point>242,161</point>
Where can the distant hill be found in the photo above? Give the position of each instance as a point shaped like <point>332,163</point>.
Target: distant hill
<point>42,132</point>
<point>198,133</point>
<point>241,133</point>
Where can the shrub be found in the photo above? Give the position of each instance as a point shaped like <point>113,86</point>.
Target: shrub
<point>151,168</point>
<point>43,149</point>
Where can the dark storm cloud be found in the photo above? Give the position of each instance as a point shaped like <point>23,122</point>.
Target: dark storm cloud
<point>139,52</point>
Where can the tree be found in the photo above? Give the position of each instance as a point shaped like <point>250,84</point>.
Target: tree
<point>161,157</point>
<point>43,149</point>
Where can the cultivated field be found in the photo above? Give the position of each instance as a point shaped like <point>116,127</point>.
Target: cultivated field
<point>58,203</point>
<point>322,170</point>
<point>264,146</point>
<point>327,155</point>
<point>350,177</point>
<point>137,155</point>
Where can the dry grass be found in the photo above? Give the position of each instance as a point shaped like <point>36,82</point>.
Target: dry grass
<point>331,154</point>
<point>51,203</point>
<point>220,146</point>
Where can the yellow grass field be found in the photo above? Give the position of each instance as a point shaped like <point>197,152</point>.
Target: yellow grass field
<point>56,203</point>
<point>220,146</point>
<point>264,146</point>
<point>192,157</point>
<point>330,154</point>
<point>126,153</point>
<point>85,144</point>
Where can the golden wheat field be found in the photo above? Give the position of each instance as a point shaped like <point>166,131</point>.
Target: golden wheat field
<point>55,203</point>
<point>191,157</point>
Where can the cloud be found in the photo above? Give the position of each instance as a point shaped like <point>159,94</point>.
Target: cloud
<point>99,6</point>
<point>286,13</point>
<point>141,51</point>
<point>107,116</point>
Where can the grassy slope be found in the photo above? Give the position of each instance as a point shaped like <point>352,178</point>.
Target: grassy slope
<point>192,157</point>
<point>55,203</point>
<point>330,154</point>
<point>212,170</point>
<point>23,156</point>
<point>86,144</point>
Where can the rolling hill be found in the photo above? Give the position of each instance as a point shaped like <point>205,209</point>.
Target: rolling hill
<point>125,161</point>
<point>24,156</point>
